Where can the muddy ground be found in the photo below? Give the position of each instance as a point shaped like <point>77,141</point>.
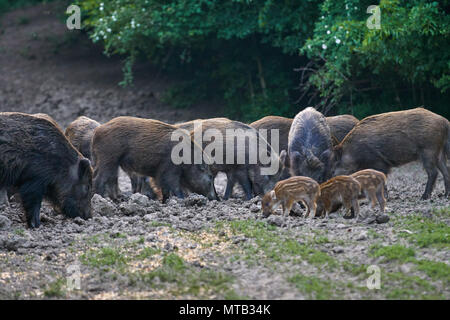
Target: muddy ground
<point>192,248</point>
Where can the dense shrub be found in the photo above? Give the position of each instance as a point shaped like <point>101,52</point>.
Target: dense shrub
<point>245,52</point>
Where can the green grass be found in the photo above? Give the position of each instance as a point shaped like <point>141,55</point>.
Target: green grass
<point>392,253</point>
<point>104,257</point>
<point>426,232</point>
<point>55,289</point>
<point>402,287</point>
<point>276,247</point>
<point>181,278</point>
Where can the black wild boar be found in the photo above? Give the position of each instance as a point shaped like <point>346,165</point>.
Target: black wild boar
<point>144,146</point>
<point>39,162</point>
<point>392,139</point>
<point>341,125</point>
<point>309,146</point>
<point>4,197</point>
<point>48,118</point>
<point>247,174</point>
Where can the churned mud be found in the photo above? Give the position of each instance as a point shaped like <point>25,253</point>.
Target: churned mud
<point>193,248</point>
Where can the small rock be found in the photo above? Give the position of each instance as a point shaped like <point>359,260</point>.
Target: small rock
<point>362,236</point>
<point>139,199</point>
<point>338,249</point>
<point>132,208</point>
<point>382,218</point>
<point>275,220</point>
<point>79,221</point>
<point>5,223</point>
<point>195,200</point>
<point>238,239</point>
<point>102,206</point>
<point>169,247</point>
<point>341,226</point>
<point>254,208</point>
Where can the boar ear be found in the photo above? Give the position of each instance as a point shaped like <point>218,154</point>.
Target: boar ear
<point>284,158</point>
<point>84,169</point>
<point>273,195</point>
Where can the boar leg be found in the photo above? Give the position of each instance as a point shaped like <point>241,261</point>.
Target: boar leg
<point>4,197</point>
<point>381,199</point>
<point>32,194</point>
<point>355,207</point>
<point>429,164</point>
<point>170,183</point>
<point>244,181</point>
<point>442,166</point>
<point>105,180</point>
<point>230,185</point>
<point>134,179</point>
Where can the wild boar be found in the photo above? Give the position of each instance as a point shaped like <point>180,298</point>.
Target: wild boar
<point>340,126</point>
<point>289,191</point>
<point>80,133</point>
<point>309,146</point>
<point>48,118</point>
<point>392,139</point>
<point>4,201</point>
<point>283,125</point>
<point>144,146</point>
<point>343,190</point>
<point>248,174</point>
<point>39,162</point>
<point>372,184</point>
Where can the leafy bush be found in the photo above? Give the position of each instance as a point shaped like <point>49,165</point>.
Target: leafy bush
<point>245,52</point>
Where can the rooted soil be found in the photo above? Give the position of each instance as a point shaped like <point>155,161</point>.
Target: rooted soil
<point>193,248</point>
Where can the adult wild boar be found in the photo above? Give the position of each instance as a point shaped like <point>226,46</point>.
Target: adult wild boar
<point>80,133</point>
<point>341,125</point>
<point>392,139</point>
<point>38,161</point>
<point>144,146</point>
<point>240,159</point>
<point>309,146</point>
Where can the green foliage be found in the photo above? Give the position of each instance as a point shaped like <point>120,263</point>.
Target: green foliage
<point>244,52</point>
<point>241,51</point>
<point>403,64</point>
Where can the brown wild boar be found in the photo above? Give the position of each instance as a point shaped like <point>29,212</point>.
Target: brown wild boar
<point>144,146</point>
<point>372,184</point>
<point>340,126</point>
<point>247,174</point>
<point>338,190</point>
<point>289,191</point>
<point>39,162</point>
<point>392,139</point>
<point>80,133</point>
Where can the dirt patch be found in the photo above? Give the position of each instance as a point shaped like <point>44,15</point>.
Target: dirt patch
<point>47,68</point>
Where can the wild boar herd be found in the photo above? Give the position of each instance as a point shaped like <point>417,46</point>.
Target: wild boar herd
<point>324,163</point>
